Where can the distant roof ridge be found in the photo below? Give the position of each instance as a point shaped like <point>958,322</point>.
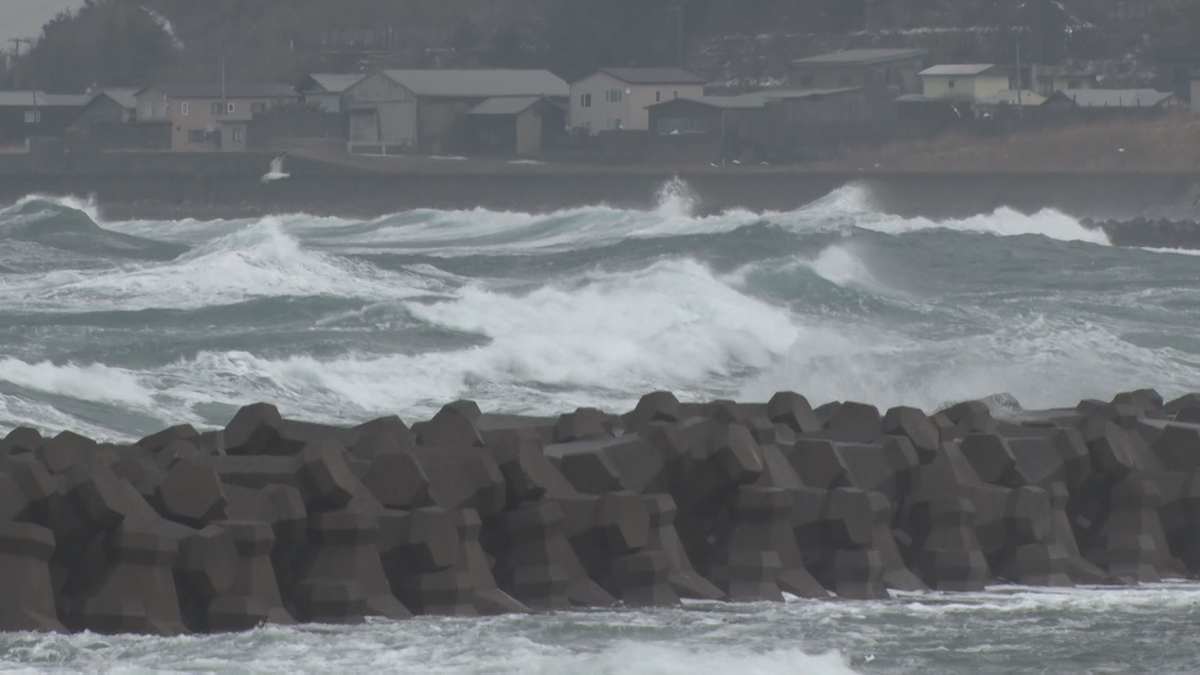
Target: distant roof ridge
<point>847,57</point>
<point>479,82</point>
<point>652,75</point>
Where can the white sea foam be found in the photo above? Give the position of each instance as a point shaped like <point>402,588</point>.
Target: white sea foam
<point>257,261</point>
<point>93,382</point>
<point>841,265</point>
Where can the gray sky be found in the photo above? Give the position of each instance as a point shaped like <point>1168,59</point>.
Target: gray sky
<point>25,18</point>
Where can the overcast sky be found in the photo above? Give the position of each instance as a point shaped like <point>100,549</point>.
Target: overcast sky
<point>25,18</point>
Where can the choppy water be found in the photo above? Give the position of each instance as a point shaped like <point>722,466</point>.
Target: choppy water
<point>117,329</point>
<point>1151,629</point>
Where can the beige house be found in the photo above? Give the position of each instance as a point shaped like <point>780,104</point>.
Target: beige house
<point>617,98</point>
<point>1056,78</point>
<point>204,117</point>
<point>965,82</point>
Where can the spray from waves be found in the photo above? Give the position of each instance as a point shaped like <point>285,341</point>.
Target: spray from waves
<point>93,382</point>
<point>851,205</point>
<point>840,265</point>
<point>479,231</point>
<point>39,203</point>
<point>255,262</point>
<point>1041,362</point>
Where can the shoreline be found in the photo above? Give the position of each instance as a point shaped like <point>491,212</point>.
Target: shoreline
<point>177,185</point>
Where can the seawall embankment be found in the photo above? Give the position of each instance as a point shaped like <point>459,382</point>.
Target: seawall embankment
<point>151,185</point>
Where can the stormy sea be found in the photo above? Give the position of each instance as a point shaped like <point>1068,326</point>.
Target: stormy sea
<point>118,329</point>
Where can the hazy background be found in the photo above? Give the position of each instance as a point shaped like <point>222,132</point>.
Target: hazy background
<point>25,18</point>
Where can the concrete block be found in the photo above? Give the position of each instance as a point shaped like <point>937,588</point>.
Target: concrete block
<point>464,478</point>
<point>253,597</point>
<point>398,481</point>
<point>658,406</point>
<point>528,474</point>
<point>25,583</point>
<point>155,442</point>
<point>530,554</point>
<point>662,537</point>
<point>20,440</point>
<point>818,464</point>
<point>1109,449</point>
<point>794,411</point>
<point>992,459</point>
<point>453,426</point>
<point>191,494</point>
<point>1178,448</point>
<point>28,493</point>
<point>585,424</point>
<point>133,593</point>
<point>917,428</point>
<point>65,451</point>
<point>970,417</point>
<point>252,428</point>
<point>855,423</point>
<point>328,482</point>
<point>643,580</point>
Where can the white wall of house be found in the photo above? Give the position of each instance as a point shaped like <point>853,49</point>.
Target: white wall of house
<point>967,87</point>
<point>601,101</point>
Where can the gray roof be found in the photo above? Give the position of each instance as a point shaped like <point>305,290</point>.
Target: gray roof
<point>758,99</point>
<point>504,105</point>
<point>30,99</point>
<point>1116,98</point>
<point>861,57</point>
<point>958,69</point>
<point>480,83</point>
<point>1009,96</point>
<point>336,83</point>
<point>126,98</point>
<point>654,75</point>
<point>213,90</point>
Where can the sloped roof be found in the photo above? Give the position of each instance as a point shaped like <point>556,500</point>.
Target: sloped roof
<point>963,69</point>
<point>213,90</point>
<point>480,83</point>
<point>504,105</point>
<point>757,99</point>
<point>1116,98</point>
<point>861,57</point>
<point>653,75</point>
<point>30,99</point>
<point>126,98</point>
<point>335,83</point>
<point>1009,96</point>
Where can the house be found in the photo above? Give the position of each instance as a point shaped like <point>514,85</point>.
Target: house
<point>324,90</point>
<point>1050,79</point>
<point>1175,67</point>
<point>966,82</point>
<point>109,122</point>
<point>874,69</point>
<point>617,98</point>
<point>205,117</point>
<point>1091,104</point>
<point>515,125</point>
<point>1195,89</point>
<point>30,114</point>
<point>989,105</point>
<point>426,111</point>
<point>778,124</point>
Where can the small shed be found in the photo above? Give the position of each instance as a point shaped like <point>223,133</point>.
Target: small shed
<point>27,114</point>
<point>515,125</point>
<point>1095,104</point>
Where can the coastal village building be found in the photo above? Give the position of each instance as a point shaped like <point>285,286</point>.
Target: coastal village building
<point>1050,79</point>
<point>426,111</point>
<point>614,99</point>
<point>514,125</point>
<point>966,82</point>
<point>773,124</point>
<point>324,90</point>
<point>1095,104</point>
<point>108,122</point>
<point>33,114</point>
<point>883,74</point>
<point>206,117</point>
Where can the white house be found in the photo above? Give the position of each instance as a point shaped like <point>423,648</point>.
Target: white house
<point>968,81</point>
<point>616,98</point>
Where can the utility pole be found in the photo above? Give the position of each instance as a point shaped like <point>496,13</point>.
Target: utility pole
<point>17,42</point>
<point>866,17</point>
<point>1020,107</point>
<point>679,31</point>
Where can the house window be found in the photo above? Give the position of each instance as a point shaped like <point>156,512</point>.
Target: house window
<point>1074,84</point>
<point>33,116</point>
<point>239,135</point>
<point>216,108</point>
<point>183,108</point>
<point>258,108</point>
<point>613,123</point>
<point>229,108</point>
<point>195,136</point>
<point>674,126</point>
<point>806,80</point>
<point>613,95</point>
<point>658,97</point>
<point>585,100</point>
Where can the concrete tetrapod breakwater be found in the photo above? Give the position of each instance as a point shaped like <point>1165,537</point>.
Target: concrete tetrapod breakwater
<point>279,521</point>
